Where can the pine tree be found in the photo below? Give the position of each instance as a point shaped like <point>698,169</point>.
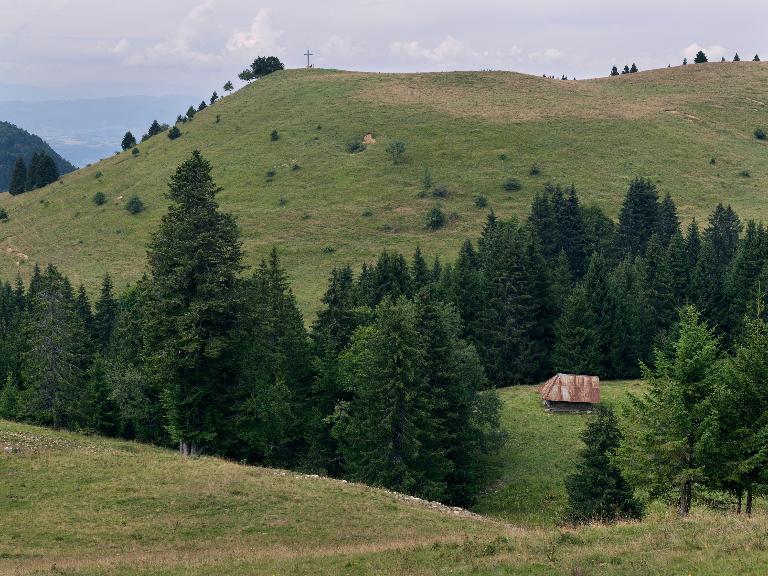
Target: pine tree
<point>597,491</point>
<point>571,233</point>
<point>693,244</point>
<point>626,69</point>
<point>743,275</point>
<point>700,58</point>
<point>723,231</point>
<point>576,338</point>
<point>228,87</point>
<point>736,58</point>
<point>214,97</point>
<point>128,141</point>
<point>660,285</point>
<point>638,217</point>
<point>756,58</point>
<point>202,106</point>
<point>194,259</point>
<point>191,112</point>
<point>660,449</point>
<point>83,309</point>
<point>541,221</point>
<point>633,69</point>
<point>33,172</point>
<point>420,275</point>
<point>614,71</point>
<point>18,182</point>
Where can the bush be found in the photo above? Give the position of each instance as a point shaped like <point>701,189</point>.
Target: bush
<point>712,161</point>
<point>174,133</point>
<point>274,136</point>
<point>367,213</point>
<point>270,174</point>
<point>98,175</point>
<point>512,185</point>
<point>745,174</point>
<point>355,145</point>
<point>535,169</point>
<point>295,167</point>
<point>134,205</point>
<point>434,219</point>
<point>396,151</point>
<point>441,191</point>
<point>3,215</point>
<point>760,134</point>
<point>481,201</point>
<point>503,157</point>
<point>99,198</point>
<point>283,201</point>
<point>135,151</point>
<point>328,249</point>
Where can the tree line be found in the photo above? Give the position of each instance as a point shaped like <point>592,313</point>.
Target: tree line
<point>393,384</point>
<point>41,171</point>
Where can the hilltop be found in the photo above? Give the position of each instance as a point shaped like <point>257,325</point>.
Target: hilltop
<point>15,142</point>
<point>78,504</point>
<point>689,128</point>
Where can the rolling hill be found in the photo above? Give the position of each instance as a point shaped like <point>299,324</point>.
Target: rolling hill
<point>15,142</point>
<point>77,505</point>
<point>688,128</point>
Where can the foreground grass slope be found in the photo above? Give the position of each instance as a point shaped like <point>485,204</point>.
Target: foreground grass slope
<point>72,504</point>
<point>473,130</point>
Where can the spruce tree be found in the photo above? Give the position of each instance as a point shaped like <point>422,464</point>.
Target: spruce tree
<point>700,58</point>
<point>214,97</point>
<point>633,69</point>
<point>18,177</point>
<point>420,275</point>
<point>638,217</point>
<point>597,491</point>
<point>614,71</point>
<point>128,141</point>
<point>228,87</point>
<point>106,314</point>
<point>576,348</point>
<point>626,69</point>
<point>194,259</point>
<point>743,275</point>
<point>202,106</point>
<point>668,223</point>
<point>756,58</point>
<point>736,58</point>
<point>661,448</point>
<point>33,172</point>
<point>723,231</point>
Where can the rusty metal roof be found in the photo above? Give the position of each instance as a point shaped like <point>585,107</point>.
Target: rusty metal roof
<point>571,388</point>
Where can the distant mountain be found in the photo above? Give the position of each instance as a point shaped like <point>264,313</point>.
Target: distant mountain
<point>88,130</point>
<point>15,142</point>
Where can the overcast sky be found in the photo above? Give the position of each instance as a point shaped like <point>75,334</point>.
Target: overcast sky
<point>154,47</point>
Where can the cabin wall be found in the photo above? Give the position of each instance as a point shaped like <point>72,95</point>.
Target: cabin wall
<point>554,406</point>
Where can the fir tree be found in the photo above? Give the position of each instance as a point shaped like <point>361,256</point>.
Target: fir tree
<point>106,314</point>
<point>633,69</point>
<point>202,106</point>
<point>614,71</point>
<point>18,177</point>
<point>214,97</point>
<point>736,58</point>
<point>420,275</point>
<point>191,112</point>
<point>228,87</point>
<point>626,69</point>
<point>756,58</point>
<point>194,259</point>
<point>668,223</point>
<point>723,231</point>
<point>597,491</point>
<point>700,58</point>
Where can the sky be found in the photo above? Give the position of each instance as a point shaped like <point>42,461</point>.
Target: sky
<point>76,48</point>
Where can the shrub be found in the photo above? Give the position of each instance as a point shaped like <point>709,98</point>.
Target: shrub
<point>396,151</point>
<point>3,215</point>
<point>270,174</point>
<point>174,133</point>
<point>99,198</point>
<point>134,205</point>
<point>295,167</point>
<point>712,161</point>
<point>98,175</point>
<point>367,213</point>
<point>135,151</point>
<point>283,201</point>
<point>218,119</point>
<point>355,145</point>
<point>328,249</point>
<point>503,157</point>
<point>760,134</point>
<point>434,219</point>
<point>274,136</point>
<point>512,185</point>
<point>481,201</point>
<point>745,174</point>
<point>441,191</point>
<point>535,169</point>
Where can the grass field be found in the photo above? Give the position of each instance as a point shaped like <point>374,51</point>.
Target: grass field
<point>339,207</point>
<point>72,504</point>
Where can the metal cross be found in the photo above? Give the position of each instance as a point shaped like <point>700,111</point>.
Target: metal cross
<point>308,54</point>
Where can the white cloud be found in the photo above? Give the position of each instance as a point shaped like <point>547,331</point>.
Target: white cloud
<point>186,47</point>
<point>340,46</point>
<point>121,47</point>
<point>449,48</point>
<point>260,39</point>
<point>547,55</point>
<point>713,52</point>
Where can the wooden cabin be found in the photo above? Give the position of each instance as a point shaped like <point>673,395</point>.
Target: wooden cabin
<point>570,393</point>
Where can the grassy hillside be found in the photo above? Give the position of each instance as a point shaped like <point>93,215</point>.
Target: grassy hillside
<point>72,504</point>
<point>339,207</point>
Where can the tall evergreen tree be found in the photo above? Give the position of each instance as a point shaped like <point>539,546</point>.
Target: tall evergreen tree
<point>668,224</point>
<point>576,336</point>
<point>638,217</point>
<point>128,142</point>
<point>723,231</point>
<point>700,57</point>
<point>106,314</point>
<point>597,491</point>
<point>18,177</point>
<point>194,259</point>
